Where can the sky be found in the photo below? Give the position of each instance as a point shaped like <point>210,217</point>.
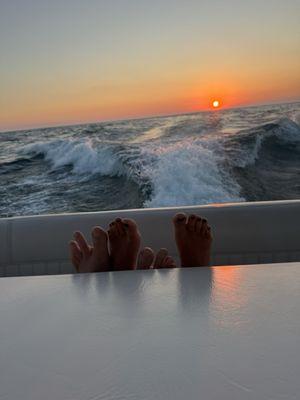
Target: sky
<point>71,62</point>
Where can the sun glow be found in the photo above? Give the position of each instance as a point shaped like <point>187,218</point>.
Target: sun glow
<point>216,104</point>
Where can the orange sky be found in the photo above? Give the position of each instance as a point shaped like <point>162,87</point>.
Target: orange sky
<point>93,64</point>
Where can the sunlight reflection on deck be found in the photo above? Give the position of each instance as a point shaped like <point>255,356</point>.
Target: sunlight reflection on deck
<point>228,296</point>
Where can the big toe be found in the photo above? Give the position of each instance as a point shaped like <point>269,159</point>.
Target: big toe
<point>179,220</point>
<point>99,237</point>
<point>145,258</point>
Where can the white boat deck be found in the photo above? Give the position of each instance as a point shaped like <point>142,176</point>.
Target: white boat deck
<point>203,333</point>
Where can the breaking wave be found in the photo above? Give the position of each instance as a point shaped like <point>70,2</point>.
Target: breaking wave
<point>82,156</point>
<point>188,173</point>
<point>179,173</point>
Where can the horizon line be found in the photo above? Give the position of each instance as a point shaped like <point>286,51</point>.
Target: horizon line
<point>148,117</point>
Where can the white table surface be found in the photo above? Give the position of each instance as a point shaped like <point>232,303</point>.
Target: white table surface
<point>203,333</point>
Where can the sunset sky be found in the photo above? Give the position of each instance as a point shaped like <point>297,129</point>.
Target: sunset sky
<point>71,61</point>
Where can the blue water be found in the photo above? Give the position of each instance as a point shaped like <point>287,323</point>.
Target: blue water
<point>245,154</point>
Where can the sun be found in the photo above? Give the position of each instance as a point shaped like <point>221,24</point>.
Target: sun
<point>216,104</point>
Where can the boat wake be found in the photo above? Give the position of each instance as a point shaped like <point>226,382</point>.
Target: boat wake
<point>175,161</point>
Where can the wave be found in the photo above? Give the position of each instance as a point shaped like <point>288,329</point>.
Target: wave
<point>81,155</point>
<point>286,130</point>
<point>16,164</point>
<point>296,117</point>
<point>245,146</point>
<point>187,173</point>
<point>170,174</point>
<point>232,155</point>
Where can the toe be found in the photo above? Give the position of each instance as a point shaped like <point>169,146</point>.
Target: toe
<point>179,219</point>
<point>198,224</point>
<point>159,259</point>
<point>100,253</point>
<point>98,234</point>
<point>191,223</point>
<point>112,230</point>
<point>130,228</point>
<point>99,237</point>
<point>203,227</point>
<point>169,262</point>
<point>82,243</point>
<point>129,224</point>
<point>208,233</point>
<point>145,259</point>
<point>120,227</point>
<point>74,250</point>
<point>115,225</point>
<point>75,254</point>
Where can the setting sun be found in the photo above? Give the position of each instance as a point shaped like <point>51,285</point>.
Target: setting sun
<point>216,103</point>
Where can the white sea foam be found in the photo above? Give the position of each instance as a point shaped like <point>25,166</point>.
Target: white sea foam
<point>83,156</point>
<point>187,173</point>
<point>296,117</point>
<point>288,130</point>
<point>156,132</point>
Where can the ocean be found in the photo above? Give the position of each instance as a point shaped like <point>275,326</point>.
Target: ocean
<point>245,154</point>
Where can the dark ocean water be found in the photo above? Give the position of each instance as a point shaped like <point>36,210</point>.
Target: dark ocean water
<point>245,154</point>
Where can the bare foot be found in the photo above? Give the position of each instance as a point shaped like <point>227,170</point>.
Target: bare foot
<point>86,258</point>
<point>124,241</point>
<point>163,260</point>
<point>145,258</point>
<point>193,238</point>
